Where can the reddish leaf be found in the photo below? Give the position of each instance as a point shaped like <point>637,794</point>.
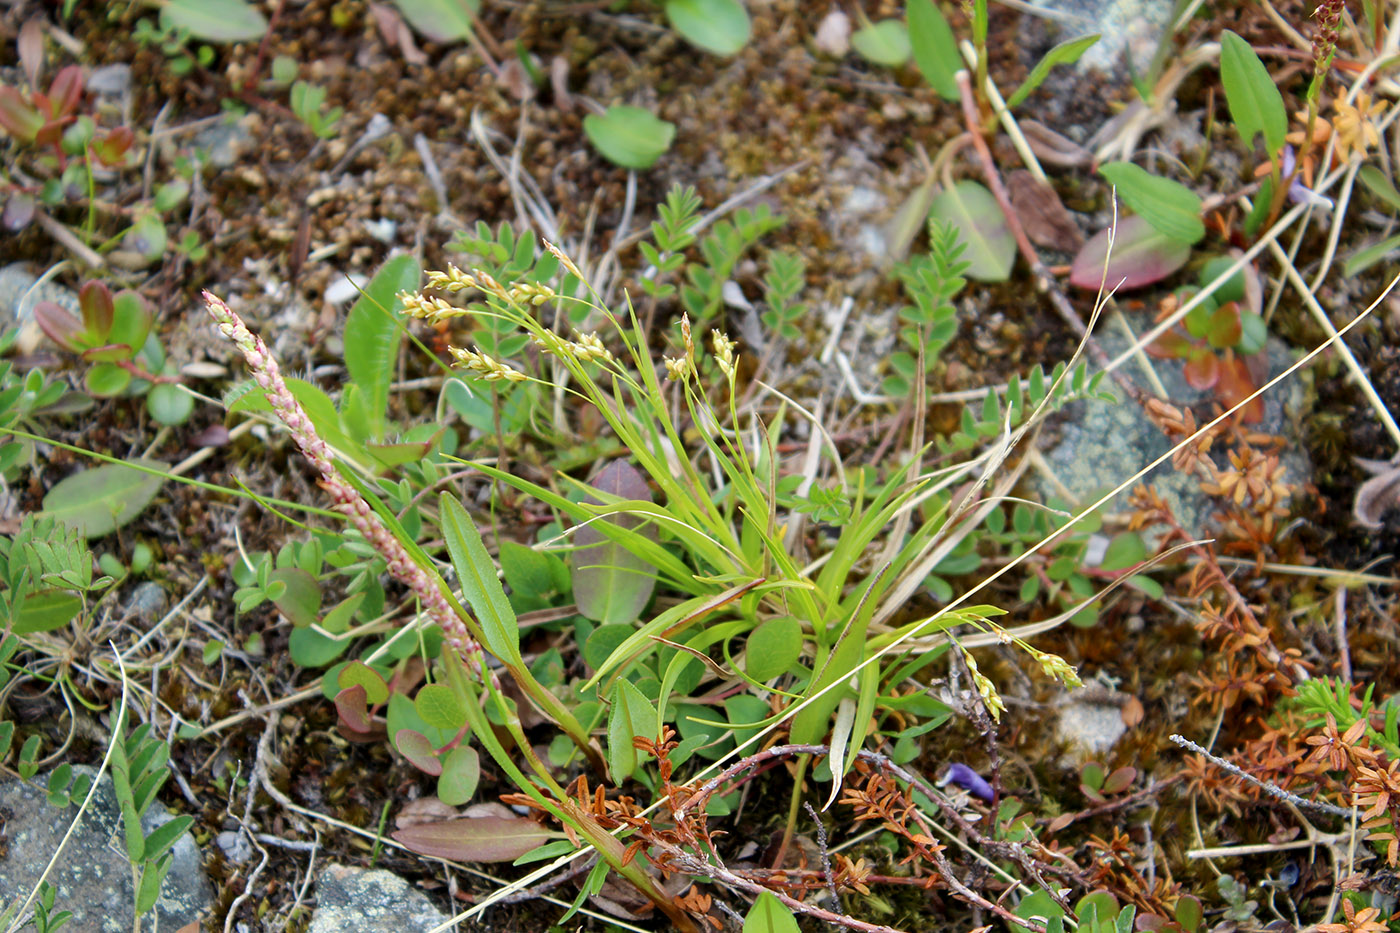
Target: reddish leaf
<point>485,839</point>
<point>31,48</point>
<point>1202,370</point>
<point>112,149</point>
<point>1169,346</point>
<point>1234,385</point>
<point>65,92</point>
<point>18,117</point>
<point>350,704</point>
<point>1140,257</point>
<point>1120,780</point>
<point>99,311</point>
<point>61,327</point>
<point>416,748</point>
<point>1224,328</point>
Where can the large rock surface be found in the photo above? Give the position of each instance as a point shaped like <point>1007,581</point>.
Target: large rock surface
<point>92,873</point>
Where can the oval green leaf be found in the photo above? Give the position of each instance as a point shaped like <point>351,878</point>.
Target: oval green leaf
<point>440,20</point>
<point>629,136</point>
<point>216,20</point>
<point>461,772</point>
<point>372,333</point>
<point>611,583</point>
<point>884,43</point>
<point>631,715</point>
<point>1255,103</point>
<point>772,648</point>
<point>440,706</point>
<point>300,597</point>
<point>934,46</point>
<point>981,226</point>
<point>1169,206</point>
<point>718,26</point>
<point>769,915</point>
<point>102,499</point>
<point>360,674</point>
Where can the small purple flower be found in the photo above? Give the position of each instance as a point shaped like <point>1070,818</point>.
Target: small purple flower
<point>1298,192</point>
<point>969,780</point>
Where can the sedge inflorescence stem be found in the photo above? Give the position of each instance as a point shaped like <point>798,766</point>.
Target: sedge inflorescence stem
<point>348,500</point>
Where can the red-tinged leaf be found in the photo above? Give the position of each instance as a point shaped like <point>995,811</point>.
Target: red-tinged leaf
<point>1120,780</point>
<point>1234,385</point>
<point>1140,257</point>
<point>109,353</point>
<point>95,300</point>
<point>416,748</point>
<point>17,117</point>
<point>1169,346</point>
<point>1202,370</point>
<point>484,839</point>
<point>65,92</point>
<point>112,149</point>
<point>59,325</point>
<point>611,583</point>
<point>354,714</point>
<point>31,48</point>
<point>1224,328</point>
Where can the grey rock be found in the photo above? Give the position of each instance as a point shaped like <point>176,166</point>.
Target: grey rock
<point>225,142</point>
<point>110,80</point>
<point>1088,730</point>
<point>92,874</point>
<point>147,601</point>
<point>360,900</point>
<point>1133,26</point>
<point>17,301</point>
<point>1101,444</point>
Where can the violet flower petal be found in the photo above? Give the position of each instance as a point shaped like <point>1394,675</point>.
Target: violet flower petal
<point>969,780</point>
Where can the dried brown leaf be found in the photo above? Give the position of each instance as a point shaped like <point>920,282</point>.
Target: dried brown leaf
<point>1042,215</point>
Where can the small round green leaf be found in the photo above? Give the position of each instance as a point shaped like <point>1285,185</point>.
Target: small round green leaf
<point>360,674</point>
<point>440,706</point>
<point>461,772</point>
<point>884,43</point>
<point>718,26</point>
<point>773,647</point>
<point>629,136</point>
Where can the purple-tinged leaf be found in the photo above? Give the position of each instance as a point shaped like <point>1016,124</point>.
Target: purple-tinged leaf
<point>66,91</point>
<point>19,211</point>
<point>59,325</point>
<point>612,584</point>
<point>31,49</point>
<point>95,300</point>
<point>484,839</point>
<point>416,748</point>
<point>1120,780</point>
<point>1141,256</point>
<point>350,705</point>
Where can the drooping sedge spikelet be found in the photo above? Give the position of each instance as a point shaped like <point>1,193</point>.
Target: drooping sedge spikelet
<point>347,499</point>
<point>488,368</point>
<point>432,310</point>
